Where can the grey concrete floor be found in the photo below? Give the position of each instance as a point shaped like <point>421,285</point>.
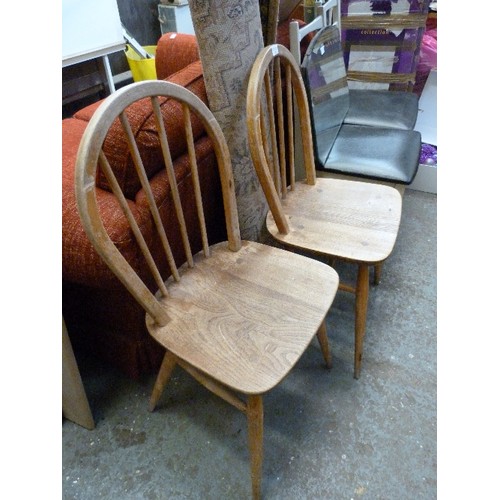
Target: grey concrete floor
<point>326,435</point>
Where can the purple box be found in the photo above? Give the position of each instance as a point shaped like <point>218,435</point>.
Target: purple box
<point>370,7</point>
<point>381,41</point>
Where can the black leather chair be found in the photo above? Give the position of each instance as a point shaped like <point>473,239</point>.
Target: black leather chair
<point>378,108</point>
<point>370,150</point>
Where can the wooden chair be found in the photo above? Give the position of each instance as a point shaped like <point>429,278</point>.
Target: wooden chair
<point>237,315</point>
<point>353,221</point>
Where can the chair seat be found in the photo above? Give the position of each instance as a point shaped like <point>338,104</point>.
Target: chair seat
<point>355,221</point>
<point>220,324</point>
<point>382,108</point>
<point>375,153</point>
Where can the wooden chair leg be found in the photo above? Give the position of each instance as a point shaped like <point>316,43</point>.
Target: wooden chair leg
<point>378,273</point>
<point>323,342</point>
<point>361,307</point>
<point>255,416</point>
<point>166,368</point>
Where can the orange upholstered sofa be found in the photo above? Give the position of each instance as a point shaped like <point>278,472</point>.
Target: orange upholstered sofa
<point>102,318</point>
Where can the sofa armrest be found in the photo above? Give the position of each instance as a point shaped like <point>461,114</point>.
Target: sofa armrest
<point>174,52</point>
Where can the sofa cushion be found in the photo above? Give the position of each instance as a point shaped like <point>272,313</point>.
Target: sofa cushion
<point>141,118</point>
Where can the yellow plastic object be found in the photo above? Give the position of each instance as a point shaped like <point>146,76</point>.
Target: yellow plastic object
<point>142,69</point>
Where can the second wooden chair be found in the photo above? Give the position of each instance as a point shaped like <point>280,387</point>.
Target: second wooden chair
<point>354,221</point>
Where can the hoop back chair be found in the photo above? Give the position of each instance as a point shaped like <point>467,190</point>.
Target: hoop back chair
<point>354,221</point>
<point>377,108</point>
<point>237,315</point>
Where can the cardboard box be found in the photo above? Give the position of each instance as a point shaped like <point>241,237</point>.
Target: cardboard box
<point>381,7</point>
<point>426,178</point>
<point>381,42</point>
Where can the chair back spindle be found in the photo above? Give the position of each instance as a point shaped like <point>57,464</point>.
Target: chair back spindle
<point>274,158</point>
<point>92,155</point>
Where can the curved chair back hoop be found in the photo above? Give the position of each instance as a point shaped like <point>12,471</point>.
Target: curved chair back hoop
<point>90,156</point>
<point>269,154</point>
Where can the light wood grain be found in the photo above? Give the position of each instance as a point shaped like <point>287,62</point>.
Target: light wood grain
<point>245,318</point>
<point>350,220</point>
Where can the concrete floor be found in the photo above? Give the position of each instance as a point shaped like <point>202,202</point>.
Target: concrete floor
<point>327,435</point>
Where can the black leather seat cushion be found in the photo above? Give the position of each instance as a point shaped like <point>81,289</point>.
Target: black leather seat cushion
<point>375,153</point>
